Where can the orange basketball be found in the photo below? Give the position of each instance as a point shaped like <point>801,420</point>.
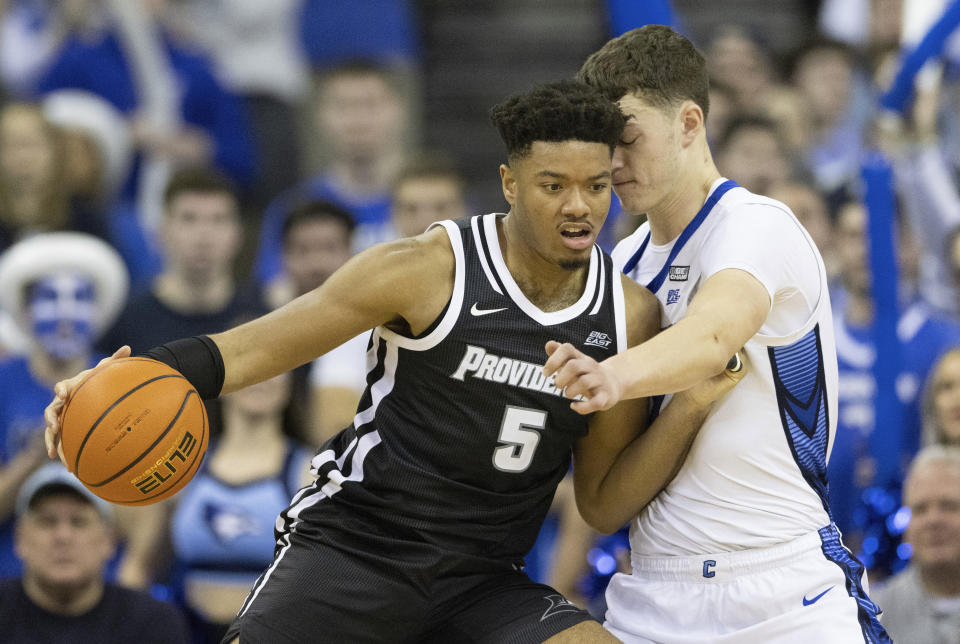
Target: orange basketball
<point>134,431</point>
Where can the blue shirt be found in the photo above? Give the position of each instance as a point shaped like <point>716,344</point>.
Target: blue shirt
<point>924,337</point>
<point>371,214</point>
<point>22,401</point>
<point>100,66</point>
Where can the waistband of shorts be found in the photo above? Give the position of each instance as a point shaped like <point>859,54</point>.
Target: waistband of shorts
<point>728,565</point>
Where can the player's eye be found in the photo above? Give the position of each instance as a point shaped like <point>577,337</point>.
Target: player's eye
<point>599,187</point>
<point>625,142</point>
<point>552,187</point>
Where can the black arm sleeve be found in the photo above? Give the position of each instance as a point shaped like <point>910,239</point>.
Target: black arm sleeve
<point>198,359</point>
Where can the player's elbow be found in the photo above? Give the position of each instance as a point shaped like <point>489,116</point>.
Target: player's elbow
<point>598,517</point>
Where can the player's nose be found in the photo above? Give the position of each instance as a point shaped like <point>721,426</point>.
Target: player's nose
<point>576,205</point>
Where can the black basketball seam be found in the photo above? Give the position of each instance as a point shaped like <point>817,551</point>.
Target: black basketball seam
<point>200,453</point>
<point>66,405</point>
<point>76,464</point>
<point>159,438</point>
<point>90,377</point>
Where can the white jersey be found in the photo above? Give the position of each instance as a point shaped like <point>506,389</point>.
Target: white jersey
<point>756,473</point>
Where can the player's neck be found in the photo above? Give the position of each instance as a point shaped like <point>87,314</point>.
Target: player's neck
<point>185,295</point>
<point>681,204</point>
<point>941,581</point>
<point>62,600</point>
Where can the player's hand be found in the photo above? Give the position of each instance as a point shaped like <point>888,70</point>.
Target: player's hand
<point>703,394</point>
<point>580,375</point>
<point>62,391</point>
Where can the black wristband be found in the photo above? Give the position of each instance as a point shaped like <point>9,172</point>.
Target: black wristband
<point>198,359</point>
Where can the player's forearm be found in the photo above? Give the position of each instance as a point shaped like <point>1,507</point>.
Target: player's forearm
<point>644,467</point>
<point>690,351</point>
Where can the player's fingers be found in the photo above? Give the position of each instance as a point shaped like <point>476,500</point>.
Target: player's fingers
<point>586,384</point>
<point>551,346</point>
<point>560,355</point>
<point>122,352</point>
<point>572,370</point>
<point>598,402</point>
<point>51,434</point>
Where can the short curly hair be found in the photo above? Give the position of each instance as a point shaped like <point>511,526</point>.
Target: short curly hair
<point>555,112</point>
<point>653,62</point>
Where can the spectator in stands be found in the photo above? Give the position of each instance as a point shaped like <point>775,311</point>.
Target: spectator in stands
<point>429,188</point>
<point>178,113</point>
<point>62,290</point>
<point>738,60</point>
<point>921,605</point>
<point>97,153</point>
<point>836,103</point>
<point>65,537</point>
<point>31,34</point>
<point>923,337</point>
<point>919,150</point>
<point>256,48</point>
<point>752,153</point>
<point>34,195</point>
<point>197,291</point>
<point>361,118</point>
<point>317,239</point>
<point>941,404</point>
<point>222,527</point>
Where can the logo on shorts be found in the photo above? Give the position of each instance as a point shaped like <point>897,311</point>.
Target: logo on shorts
<point>673,296</point>
<point>708,568</point>
<point>807,602</point>
<point>558,604</point>
<point>679,273</point>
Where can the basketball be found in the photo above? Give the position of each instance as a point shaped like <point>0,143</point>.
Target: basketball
<point>134,431</point>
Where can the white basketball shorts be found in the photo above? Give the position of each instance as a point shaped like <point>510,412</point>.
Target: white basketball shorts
<point>807,590</point>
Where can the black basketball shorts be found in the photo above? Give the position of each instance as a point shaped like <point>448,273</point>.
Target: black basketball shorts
<point>344,579</point>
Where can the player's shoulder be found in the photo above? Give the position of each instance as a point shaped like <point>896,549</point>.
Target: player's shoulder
<point>642,310</point>
<point>741,205</point>
<point>435,245</point>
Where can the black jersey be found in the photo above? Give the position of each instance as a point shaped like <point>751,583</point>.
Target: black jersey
<point>459,438</point>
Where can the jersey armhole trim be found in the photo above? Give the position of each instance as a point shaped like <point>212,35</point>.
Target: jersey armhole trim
<point>453,308</point>
<point>620,311</point>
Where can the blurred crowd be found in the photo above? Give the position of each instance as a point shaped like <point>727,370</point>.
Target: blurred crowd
<point>174,167</point>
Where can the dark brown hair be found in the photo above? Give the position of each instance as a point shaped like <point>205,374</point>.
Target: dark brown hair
<point>655,63</point>
<point>198,179</point>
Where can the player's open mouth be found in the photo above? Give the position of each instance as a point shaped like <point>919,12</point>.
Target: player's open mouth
<point>577,236</point>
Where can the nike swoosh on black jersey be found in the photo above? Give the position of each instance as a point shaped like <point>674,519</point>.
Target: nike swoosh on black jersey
<point>475,311</point>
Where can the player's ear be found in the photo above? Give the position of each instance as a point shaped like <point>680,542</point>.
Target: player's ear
<point>509,183</point>
<point>691,122</point>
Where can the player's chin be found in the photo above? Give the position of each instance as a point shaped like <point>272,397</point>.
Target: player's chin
<point>574,263</point>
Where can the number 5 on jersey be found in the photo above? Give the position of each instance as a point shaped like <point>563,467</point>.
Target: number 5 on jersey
<point>519,435</point>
